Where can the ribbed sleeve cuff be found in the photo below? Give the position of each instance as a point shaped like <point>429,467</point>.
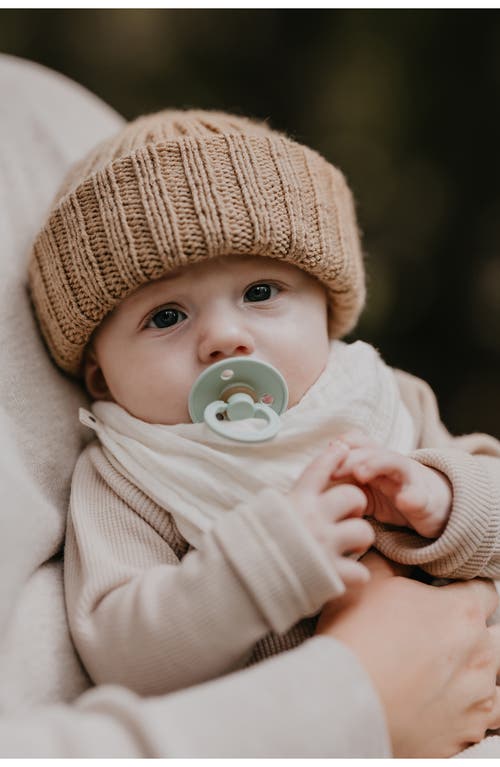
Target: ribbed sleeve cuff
<point>472,534</point>
<point>278,560</point>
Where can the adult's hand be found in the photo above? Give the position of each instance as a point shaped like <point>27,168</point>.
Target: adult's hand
<point>429,653</point>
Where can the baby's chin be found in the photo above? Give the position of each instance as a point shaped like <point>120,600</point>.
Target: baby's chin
<point>173,420</point>
<point>297,392</point>
<point>161,416</point>
<point>295,399</point>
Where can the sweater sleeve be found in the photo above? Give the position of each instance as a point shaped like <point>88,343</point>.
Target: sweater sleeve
<point>470,543</point>
<point>141,618</point>
<point>313,701</point>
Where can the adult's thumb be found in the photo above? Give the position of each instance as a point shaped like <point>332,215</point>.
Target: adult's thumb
<point>380,567</point>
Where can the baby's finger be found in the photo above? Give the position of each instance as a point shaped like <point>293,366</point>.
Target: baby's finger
<point>353,536</point>
<point>316,476</point>
<point>344,501</point>
<point>368,464</point>
<point>412,497</point>
<point>355,457</point>
<point>352,573</point>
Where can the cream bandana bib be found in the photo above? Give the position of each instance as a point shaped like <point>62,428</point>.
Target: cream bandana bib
<point>198,476</point>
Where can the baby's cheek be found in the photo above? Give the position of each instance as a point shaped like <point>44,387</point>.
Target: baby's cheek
<point>300,381</point>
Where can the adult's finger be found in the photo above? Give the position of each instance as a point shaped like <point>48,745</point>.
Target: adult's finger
<point>494,719</point>
<point>480,592</point>
<point>494,632</point>
<point>316,476</point>
<point>380,567</point>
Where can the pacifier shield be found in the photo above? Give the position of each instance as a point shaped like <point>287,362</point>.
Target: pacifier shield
<point>263,381</point>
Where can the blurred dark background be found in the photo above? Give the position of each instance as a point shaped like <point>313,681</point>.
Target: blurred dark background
<point>406,102</point>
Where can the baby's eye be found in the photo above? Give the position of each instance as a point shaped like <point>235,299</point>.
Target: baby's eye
<point>261,292</point>
<point>165,318</point>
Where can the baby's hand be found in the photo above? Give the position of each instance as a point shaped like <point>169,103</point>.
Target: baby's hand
<point>332,514</point>
<point>401,490</point>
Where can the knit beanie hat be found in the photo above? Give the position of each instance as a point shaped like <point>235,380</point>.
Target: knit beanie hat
<point>179,187</point>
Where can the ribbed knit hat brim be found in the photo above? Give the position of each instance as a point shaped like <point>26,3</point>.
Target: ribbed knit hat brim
<point>156,198</point>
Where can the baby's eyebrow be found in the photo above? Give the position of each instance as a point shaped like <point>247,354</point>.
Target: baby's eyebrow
<point>152,289</point>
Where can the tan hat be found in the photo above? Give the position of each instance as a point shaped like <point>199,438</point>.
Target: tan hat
<point>178,187</point>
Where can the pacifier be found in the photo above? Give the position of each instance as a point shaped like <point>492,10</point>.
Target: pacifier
<point>236,389</point>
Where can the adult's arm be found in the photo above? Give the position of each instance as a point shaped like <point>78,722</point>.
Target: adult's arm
<point>314,701</point>
<point>155,623</point>
<point>432,658</point>
<point>470,544</point>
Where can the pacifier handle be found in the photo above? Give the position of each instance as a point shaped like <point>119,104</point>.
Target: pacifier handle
<point>236,389</point>
<point>242,406</point>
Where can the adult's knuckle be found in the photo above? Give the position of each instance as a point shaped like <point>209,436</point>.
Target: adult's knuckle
<point>487,704</point>
<point>470,612</point>
<point>474,729</point>
<point>475,614</point>
<point>477,734</point>
<point>488,658</point>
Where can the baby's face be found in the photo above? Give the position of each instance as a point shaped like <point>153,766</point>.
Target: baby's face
<point>148,352</point>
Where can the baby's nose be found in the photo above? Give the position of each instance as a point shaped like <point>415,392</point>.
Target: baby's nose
<point>225,340</point>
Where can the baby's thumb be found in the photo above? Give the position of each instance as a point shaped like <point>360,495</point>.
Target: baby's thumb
<point>316,476</point>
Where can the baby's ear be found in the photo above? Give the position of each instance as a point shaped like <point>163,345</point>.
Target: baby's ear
<point>95,383</point>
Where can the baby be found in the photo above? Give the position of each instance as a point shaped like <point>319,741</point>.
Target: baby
<point>190,238</point>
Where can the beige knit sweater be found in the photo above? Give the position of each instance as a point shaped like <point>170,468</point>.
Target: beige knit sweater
<point>147,612</point>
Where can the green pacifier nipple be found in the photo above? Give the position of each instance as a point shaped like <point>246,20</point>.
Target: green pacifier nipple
<point>236,389</point>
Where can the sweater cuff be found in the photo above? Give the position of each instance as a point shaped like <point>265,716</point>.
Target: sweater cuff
<point>471,534</point>
<point>278,560</point>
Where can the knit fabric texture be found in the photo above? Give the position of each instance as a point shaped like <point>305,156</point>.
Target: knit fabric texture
<point>178,187</point>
